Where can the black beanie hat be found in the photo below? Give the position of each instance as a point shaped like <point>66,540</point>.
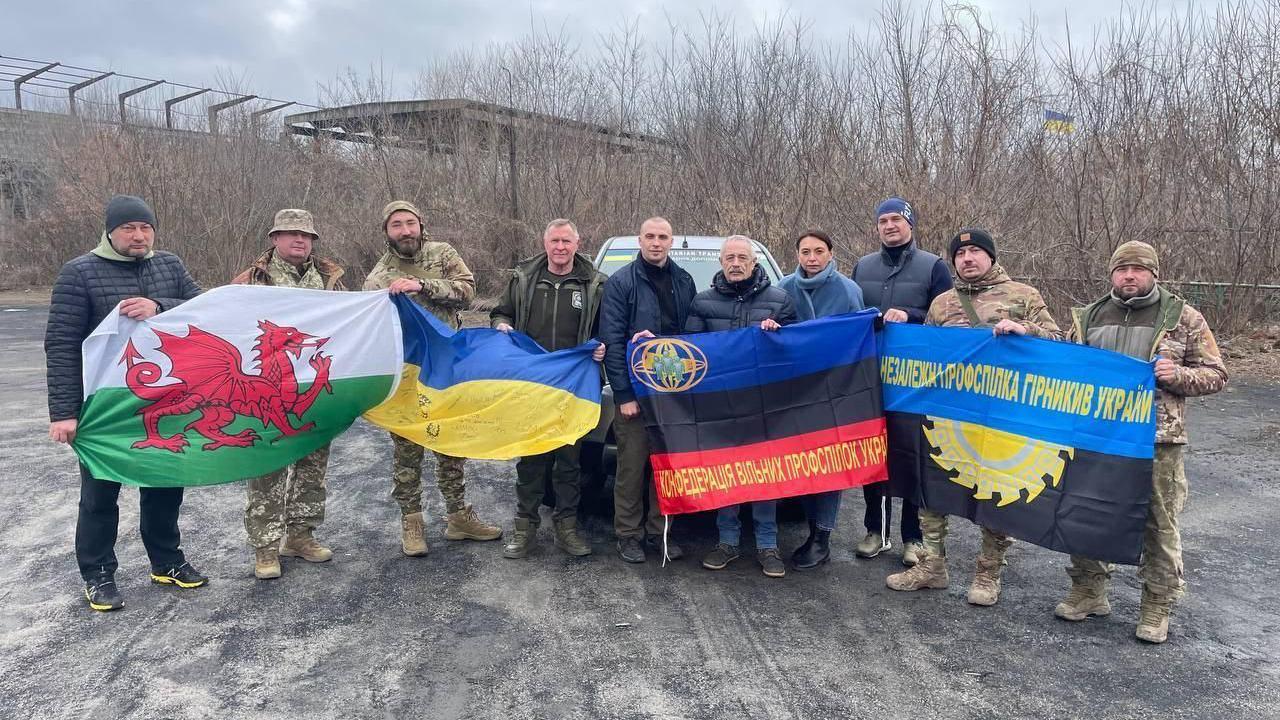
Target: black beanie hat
<point>976,237</point>
<point>126,209</point>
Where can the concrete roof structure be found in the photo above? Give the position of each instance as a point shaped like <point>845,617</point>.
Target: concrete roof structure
<point>445,124</point>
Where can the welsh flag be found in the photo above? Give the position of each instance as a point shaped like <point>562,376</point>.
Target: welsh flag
<point>233,384</point>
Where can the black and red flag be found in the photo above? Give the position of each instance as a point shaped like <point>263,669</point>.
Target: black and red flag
<point>747,415</point>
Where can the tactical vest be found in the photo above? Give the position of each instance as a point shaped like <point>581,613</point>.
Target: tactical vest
<point>905,285</point>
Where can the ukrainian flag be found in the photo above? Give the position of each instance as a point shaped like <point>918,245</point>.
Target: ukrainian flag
<point>1060,123</point>
<point>480,393</point>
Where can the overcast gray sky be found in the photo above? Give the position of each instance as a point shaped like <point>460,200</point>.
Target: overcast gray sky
<point>285,48</point>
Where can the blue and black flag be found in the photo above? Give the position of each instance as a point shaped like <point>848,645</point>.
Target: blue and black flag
<point>1048,441</point>
<point>745,415</point>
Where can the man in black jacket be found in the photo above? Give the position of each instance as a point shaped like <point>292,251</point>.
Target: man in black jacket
<point>650,293</point>
<point>554,298</point>
<point>742,296</point>
<point>901,280</point>
<point>122,270</point>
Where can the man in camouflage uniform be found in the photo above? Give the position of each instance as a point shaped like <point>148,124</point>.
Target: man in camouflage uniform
<point>289,502</point>
<point>435,277</point>
<point>1142,319</point>
<point>983,297</point>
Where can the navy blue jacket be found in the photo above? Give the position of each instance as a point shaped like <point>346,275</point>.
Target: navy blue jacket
<point>630,305</point>
<point>87,288</point>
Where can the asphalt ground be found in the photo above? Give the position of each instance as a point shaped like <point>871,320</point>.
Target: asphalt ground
<point>464,633</point>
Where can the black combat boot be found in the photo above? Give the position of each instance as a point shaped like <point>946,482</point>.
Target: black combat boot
<point>819,551</point>
<point>804,549</point>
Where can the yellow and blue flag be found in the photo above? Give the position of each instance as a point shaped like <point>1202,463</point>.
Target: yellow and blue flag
<point>1060,123</point>
<point>1048,441</point>
<point>481,393</point>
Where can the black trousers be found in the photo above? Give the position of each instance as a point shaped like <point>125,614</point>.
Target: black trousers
<point>566,481</point>
<point>871,519</point>
<point>100,519</point>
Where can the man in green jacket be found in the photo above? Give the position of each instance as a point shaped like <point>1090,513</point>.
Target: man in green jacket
<point>1142,319</point>
<point>554,298</point>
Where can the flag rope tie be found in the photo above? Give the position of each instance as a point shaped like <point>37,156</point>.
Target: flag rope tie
<point>884,521</point>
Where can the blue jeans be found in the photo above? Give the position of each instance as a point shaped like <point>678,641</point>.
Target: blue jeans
<point>822,508</point>
<point>764,517</point>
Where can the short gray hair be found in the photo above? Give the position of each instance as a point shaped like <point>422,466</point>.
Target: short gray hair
<point>739,238</point>
<point>558,223</point>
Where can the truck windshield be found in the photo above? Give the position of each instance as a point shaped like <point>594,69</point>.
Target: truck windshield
<point>702,264</point>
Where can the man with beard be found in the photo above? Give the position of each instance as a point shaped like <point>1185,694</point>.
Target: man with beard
<point>1142,319</point>
<point>434,276</point>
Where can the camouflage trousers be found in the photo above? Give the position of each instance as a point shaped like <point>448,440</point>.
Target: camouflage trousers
<point>933,528</point>
<point>1161,565</point>
<point>406,476</point>
<point>288,500</point>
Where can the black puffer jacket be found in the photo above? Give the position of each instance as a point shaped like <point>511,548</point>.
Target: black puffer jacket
<point>746,303</point>
<point>87,288</point>
<point>630,304</point>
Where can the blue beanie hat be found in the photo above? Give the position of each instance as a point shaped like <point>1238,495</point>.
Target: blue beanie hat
<point>126,209</point>
<point>898,205</point>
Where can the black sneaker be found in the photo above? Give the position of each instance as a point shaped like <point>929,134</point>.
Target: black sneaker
<point>720,557</point>
<point>184,576</point>
<point>673,550</point>
<point>629,549</point>
<point>771,563</point>
<point>102,594</point>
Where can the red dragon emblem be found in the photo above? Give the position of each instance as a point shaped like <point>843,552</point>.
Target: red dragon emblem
<point>210,381</point>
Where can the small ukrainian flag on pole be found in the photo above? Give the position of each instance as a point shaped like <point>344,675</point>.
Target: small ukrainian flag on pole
<point>1057,122</point>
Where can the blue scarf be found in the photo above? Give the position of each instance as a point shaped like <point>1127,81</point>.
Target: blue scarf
<point>825,293</point>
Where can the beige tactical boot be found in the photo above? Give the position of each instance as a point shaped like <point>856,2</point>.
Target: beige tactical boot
<point>521,541</point>
<point>568,539</point>
<point>303,545</point>
<point>413,540</point>
<point>466,525</point>
<point>266,562</point>
<point>985,589</point>
<point>929,573</point>
<point>1153,620</point>
<point>1087,597</point>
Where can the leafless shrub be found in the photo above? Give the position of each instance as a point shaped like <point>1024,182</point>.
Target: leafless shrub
<point>766,132</point>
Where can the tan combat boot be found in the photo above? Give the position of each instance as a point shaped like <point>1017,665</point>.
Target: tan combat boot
<point>985,589</point>
<point>1153,620</point>
<point>413,540</point>
<point>568,539</point>
<point>1088,596</point>
<point>266,562</point>
<point>929,573</point>
<point>522,538</point>
<point>303,545</point>
<point>466,525</point>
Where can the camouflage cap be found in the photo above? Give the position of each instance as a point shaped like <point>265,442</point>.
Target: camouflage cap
<point>1136,252</point>
<point>397,205</point>
<point>295,220</point>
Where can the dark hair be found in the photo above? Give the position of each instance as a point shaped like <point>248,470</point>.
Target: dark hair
<point>825,238</point>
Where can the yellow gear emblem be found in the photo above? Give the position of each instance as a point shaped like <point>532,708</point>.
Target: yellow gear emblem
<point>995,462</point>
